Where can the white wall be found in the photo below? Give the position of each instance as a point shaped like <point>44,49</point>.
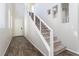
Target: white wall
<point>67,32</point>
<point>42,8</point>
<point>5,32</point>
<point>19,10</point>
<point>2,16</point>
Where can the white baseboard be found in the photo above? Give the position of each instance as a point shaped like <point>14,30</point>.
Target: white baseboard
<point>7,46</point>
<point>72,51</point>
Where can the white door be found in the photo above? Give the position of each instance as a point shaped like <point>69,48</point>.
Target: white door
<point>18,27</point>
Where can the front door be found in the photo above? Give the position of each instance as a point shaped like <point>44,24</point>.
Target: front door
<point>18,27</point>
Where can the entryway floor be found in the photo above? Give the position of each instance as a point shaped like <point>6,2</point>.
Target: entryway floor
<point>67,53</point>
<point>20,46</point>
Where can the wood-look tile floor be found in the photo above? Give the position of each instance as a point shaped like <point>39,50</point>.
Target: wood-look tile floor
<point>20,46</point>
<point>66,53</point>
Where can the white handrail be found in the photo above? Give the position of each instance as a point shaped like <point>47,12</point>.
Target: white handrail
<point>44,23</point>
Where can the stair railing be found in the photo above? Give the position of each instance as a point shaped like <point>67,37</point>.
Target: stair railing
<point>39,23</point>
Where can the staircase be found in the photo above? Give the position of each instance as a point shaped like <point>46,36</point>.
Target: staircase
<point>43,29</point>
<point>47,34</point>
<point>58,47</point>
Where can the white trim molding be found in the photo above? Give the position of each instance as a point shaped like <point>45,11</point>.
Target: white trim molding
<point>72,51</point>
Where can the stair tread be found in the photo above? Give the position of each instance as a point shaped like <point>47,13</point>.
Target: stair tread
<point>43,26</point>
<point>63,49</point>
<point>55,38</point>
<point>46,33</point>
<point>56,41</point>
<point>57,44</point>
<point>48,38</point>
<point>45,30</point>
<point>58,48</point>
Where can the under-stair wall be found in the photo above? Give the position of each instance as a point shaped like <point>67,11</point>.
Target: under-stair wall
<point>34,36</point>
